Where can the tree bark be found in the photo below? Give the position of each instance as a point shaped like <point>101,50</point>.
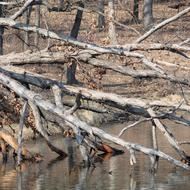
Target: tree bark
<point>71,68</point>
<point>77,23</point>
<point>1,30</point>
<point>136,10</point>
<point>37,24</point>
<point>27,21</point>
<point>71,73</point>
<point>101,17</point>
<point>61,4</point>
<point>148,13</point>
<point>20,135</point>
<point>112,29</point>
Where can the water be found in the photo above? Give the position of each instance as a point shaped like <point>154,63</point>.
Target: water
<point>110,173</point>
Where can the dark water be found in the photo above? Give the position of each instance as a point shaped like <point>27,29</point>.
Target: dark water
<point>109,173</point>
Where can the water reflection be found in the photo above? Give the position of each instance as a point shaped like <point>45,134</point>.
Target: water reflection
<point>110,172</point>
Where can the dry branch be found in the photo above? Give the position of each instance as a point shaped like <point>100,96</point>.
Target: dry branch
<point>162,24</point>
<point>48,106</point>
<point>174,48</point>
<point>43,132</point>
<point>44,57</point>
<point>22,9</point>
<point>134,105</point>
<point>99,49</point>
<point>170,137</point>
<point>27,57</point>
<point>20,135</point>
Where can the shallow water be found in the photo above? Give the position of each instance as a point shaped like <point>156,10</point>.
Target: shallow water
<point>110,172</point>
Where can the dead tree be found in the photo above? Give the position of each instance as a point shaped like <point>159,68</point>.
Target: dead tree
<point>14,78</point>
<point>77,124</point>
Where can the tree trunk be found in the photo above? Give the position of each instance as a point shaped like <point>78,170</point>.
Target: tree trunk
<point>147,13</point>
<point>1,31</point>
<point>111,30</point>
<point>37,24</point>
<point>101,18</point>
<point>136,10</point>
<point>77,23</point>
<point>71,68</point>
<point>71,71</point>
<point>27,21</point>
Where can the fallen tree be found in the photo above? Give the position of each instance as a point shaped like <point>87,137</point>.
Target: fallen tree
<point>75,122</point>
<point>22,82</point>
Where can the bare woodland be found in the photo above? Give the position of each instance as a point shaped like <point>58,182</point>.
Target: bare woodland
<point>35,100</point>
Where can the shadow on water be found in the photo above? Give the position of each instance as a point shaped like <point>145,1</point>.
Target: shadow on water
<point>110,171</point>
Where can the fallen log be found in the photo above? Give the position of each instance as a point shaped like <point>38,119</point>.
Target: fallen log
<point>134,105</point>
<point>43,132</point>
<point>28,57</point>
<point>74,121</point>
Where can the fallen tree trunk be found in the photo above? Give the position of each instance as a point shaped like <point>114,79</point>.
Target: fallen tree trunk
<point>136,105</point>
<point>43,132</point>
<point>28,57</point>
<point>74,121</point>
<point>94,47</point>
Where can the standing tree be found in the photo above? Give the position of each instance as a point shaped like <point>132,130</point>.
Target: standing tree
<point>27,21</point>
<point>111,30</point>
<point>71,68</point>
<point>78,19</point>
<point>148,13</point>
<point>1,31</point>
<point>136,10</point>
<point>101,18</point>
<point>37,23</point>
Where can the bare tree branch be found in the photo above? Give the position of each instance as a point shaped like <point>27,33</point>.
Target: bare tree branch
<point>22,9</point>
<point>161,25</point>
<point>47,105</point>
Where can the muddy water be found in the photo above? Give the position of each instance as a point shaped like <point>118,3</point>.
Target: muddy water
<point>110,172</point>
